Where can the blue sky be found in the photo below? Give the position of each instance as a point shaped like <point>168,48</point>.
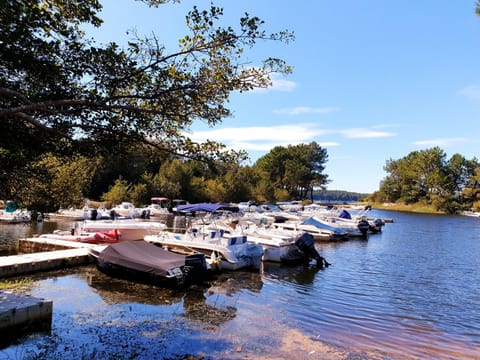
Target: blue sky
<point>372,80</point>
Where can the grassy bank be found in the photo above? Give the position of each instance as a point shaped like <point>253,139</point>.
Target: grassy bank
<point>15,284</point>
<point>415,208</point>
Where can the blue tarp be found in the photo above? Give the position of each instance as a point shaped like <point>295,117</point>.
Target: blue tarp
<point>344,214</point>
<point>206,207</point>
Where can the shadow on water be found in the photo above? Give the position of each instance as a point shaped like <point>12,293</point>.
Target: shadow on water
<point>97,316</point>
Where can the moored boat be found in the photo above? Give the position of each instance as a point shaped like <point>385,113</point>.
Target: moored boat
<point>84,237</point>
<point>129,228</point>
<point>224,252</point>
<point>147,263</point>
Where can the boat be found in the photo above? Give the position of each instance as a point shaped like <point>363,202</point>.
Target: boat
<point>84,237</point>
<point>159,206</point>
<point>319,231</point>
<point>354,227</point>
<point>127,210</point>
<point>15,217</point>
<point>129,228</point>
<point>147,263</point>
<point>76,214</point>
<point>282,248</point>
<point>223,252</point>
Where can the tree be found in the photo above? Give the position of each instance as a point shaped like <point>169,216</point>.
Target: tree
<point>295,170</point>
<point>117,193</point>
<point>53,182</point>
<point>427,177</point>
<point>58,86</point>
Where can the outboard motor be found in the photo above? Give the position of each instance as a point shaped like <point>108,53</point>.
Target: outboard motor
<point>377,226</point>
<point>306,243</point>
<point>93,214</point>
<point>363,226</point>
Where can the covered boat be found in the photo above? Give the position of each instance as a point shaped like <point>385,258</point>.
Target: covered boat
<point>144,262</point>
<point>205,208</point>
<point>224,252</point>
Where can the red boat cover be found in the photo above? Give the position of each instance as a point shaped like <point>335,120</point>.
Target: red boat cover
<point>141,256</point>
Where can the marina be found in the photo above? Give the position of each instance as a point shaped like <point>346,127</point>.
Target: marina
<point>409,292</point>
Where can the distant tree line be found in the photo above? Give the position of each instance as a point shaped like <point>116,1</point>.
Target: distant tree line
<point>337,196</point>
<point>427,177</point>
<point>137,173</point>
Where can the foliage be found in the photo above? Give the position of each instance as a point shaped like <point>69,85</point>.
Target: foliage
<point>295,170</point>
<point>53,181</point>
<point>60,87</point>
<point>117,193</point>
<point>337,195</point>
<point>427,177</point>
<point>17,284</point>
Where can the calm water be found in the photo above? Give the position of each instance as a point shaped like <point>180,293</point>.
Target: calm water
<point>411,292</point>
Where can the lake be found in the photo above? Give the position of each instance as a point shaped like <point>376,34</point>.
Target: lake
<point>410,292</point>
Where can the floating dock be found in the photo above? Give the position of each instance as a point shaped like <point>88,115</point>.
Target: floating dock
<point>20,314</point>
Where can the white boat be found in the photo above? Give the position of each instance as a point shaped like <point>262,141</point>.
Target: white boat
<point>354,227</point>
<point>223,251</point>
<point>129,228</point>
<point>159,206</point>
<point>277,247</point>
<point>319,231</point>
<point>83,237</point>
<point>128,210</point>
<point>76,214</point>
<point>15,217</point>
<point>268,214</point>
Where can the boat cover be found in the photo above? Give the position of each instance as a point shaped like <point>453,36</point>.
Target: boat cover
<point>141,256</point>
<point>206,207</point>
<point>321,225</point>
<point>344,214</point>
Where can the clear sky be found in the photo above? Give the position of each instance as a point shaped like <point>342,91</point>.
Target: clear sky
<point>372,80</point>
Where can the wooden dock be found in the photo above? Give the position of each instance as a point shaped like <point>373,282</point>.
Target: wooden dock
<point>53,254</point>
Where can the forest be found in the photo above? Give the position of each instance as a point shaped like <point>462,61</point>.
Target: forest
<point>81,120</point>
<point>110,123</point>
<point>427,177</point>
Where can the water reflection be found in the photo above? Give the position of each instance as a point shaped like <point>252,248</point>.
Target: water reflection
<point>11,233</point>
<point>410,292</point>
<point>210,303</point>
<point>302,275</point>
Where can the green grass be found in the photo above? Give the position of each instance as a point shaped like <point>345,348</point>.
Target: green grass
<point>416,208</point>
<point>15,284</point>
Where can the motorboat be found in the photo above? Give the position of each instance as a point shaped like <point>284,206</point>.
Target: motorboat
<point>147,263</point>
<point>224,252</point>
<point>354,227</point>
<point>282,248</point>
<point>87,212</point>
<point>109,237</point>
<point>15,217</point>
<point>128,210</point>
<point>319,231</point>
<point>129,228</point>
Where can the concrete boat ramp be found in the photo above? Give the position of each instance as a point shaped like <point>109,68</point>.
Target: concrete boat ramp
<point>20,314</point>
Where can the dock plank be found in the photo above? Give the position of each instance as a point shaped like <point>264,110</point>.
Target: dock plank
<point>28,263</point>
